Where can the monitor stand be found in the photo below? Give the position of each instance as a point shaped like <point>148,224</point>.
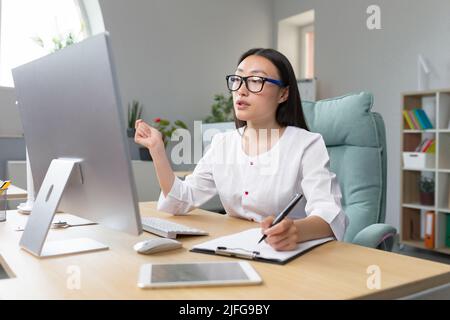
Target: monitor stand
<point>44,209</point>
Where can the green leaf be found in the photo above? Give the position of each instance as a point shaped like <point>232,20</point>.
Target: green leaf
<point>221,109</point>
<point>38,41</point>
<point>134,112</point>
<point>180,124</point>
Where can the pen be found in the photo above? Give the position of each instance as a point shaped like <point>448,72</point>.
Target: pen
<point>283,214</point>
<point>237,252</point>
<point>5,185</point>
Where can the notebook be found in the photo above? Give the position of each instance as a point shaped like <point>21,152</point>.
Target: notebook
<point>245,245</point>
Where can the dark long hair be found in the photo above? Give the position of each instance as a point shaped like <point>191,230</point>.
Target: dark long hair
<point>290,112</point>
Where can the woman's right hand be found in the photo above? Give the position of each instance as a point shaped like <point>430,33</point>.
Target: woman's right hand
<point>147,136</point>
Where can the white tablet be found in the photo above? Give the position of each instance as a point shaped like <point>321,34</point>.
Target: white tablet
<point>197,274</point>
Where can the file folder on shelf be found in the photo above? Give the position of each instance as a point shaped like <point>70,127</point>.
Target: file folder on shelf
<point>429,229</point>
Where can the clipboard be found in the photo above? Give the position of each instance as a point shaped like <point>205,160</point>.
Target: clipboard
<point>245,245</point>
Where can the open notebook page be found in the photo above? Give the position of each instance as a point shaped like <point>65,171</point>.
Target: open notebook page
<point>247,241</point>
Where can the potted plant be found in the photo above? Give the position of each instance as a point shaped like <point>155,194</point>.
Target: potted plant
<point>60,41</point>
<point>426,186</point>
<point>221,110</point>
<point>221,119</point>
<point>167,129</point>
<point>164,126</point>
<point>134,113</point>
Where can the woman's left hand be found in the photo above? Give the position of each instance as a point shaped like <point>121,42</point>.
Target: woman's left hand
<point>283,236</point>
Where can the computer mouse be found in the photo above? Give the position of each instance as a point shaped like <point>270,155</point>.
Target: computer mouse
<point>156,245</point>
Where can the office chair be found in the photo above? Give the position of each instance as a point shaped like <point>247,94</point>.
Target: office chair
<point>356,141</point>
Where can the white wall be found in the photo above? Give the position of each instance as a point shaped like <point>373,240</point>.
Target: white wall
<point>289,44</point>
<point>92,12</point>
<point>350,58</point>
<point>173,55</point>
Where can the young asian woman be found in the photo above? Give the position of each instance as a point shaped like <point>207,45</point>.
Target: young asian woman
<point>257,168</point>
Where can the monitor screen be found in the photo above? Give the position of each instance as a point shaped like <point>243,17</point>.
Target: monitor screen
<point>70,107</point>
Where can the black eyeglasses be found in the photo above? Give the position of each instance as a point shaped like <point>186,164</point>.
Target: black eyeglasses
<point>254,84</point>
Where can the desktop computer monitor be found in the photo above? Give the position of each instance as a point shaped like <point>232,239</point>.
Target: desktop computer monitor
<point>71,112</point>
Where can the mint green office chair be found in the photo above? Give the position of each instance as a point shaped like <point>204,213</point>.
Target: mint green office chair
<point>356,141</point>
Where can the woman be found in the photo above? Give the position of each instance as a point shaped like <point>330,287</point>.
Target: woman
<point>256,174</point>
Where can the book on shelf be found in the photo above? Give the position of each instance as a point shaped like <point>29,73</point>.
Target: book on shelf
<point>422,225</point>
<point>417,119</point>
<point>432,147</point>
<point>427,145</point>
<point>408,119</point>
<point>414,119</point>
<point>447,233</point>
<point>448,197</point>
<point>448,189</point>
<point>424,117</point>
<point>411,120</point>
<point>429,229</point>
<point>420,146</point>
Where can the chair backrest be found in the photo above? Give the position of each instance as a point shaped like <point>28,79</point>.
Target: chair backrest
<point>356,141</point>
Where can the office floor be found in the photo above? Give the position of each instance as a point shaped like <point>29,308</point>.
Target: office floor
<point>442,293</point>
<point>422,254</point>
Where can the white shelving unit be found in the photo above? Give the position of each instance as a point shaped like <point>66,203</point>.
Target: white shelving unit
<point>411,209</point>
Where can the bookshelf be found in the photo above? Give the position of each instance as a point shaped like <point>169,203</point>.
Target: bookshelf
<point>412,225</point>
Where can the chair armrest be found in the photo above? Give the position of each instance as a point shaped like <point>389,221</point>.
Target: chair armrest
<point>377,235</point>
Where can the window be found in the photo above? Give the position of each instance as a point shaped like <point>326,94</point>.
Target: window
<point>296,41</point>
<point>307,52</point>
<point>28,28</point>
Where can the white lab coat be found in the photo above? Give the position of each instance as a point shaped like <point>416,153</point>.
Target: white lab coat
<point>255,187</point>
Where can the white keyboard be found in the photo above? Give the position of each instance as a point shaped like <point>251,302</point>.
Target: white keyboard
<point>168,229</point>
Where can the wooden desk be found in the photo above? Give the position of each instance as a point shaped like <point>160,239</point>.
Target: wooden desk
<point>333,271</point>
<point>15,193</point>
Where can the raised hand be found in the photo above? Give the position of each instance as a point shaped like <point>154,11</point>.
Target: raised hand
<point>148,136</point>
